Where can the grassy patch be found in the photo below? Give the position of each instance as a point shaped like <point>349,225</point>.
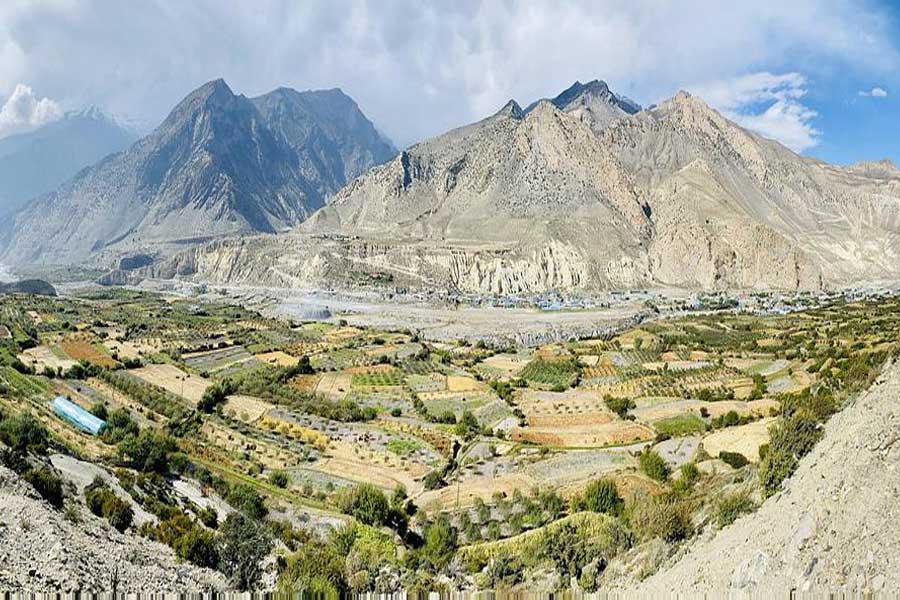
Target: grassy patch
<point>680,425</point>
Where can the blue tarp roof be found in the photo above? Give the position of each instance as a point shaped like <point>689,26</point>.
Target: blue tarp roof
<point>77,416</point>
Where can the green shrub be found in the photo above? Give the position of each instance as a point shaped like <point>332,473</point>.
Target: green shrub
<point>148,451</point>
<point>653,465</point>
<point>198,546</point>
<point>735,460</point>
<point>433,480</point>
<point>246,499</point>
<point>600,495</point>
<point>366,503</point>
<point>440,542</point>
<point>729,508</point>
<point>791,438</point>
<point>467,427</point>
<point>279,479</point>
<point>103,502</point>
<point>47,484</point>
<point>23,433</point>
<point>209,517</point>
<point>620,406</point>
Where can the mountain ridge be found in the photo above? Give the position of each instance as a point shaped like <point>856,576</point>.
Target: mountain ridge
<point>215,166</point>
<point>547,201</point>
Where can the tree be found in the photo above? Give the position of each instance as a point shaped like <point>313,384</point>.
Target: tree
<point>148,451</point>
<point>440,542</point>
<point>243,545</point>
<point>467,427</point>
<point>366,503</point>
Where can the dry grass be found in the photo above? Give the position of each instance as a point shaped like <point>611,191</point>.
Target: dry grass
<point>281,359</point>
<point>81,349</point>
<point>173,380</point>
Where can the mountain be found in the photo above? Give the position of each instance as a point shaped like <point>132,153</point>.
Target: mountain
<point>34,163</point>
<point>220,164</point>
<point>593,103</point>
<point>542,200</point>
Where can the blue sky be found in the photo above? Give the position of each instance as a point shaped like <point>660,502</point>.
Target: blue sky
<point>800,71</point>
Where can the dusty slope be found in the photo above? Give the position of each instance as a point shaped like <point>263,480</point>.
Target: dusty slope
<point>836,526</point>
<point>42,551</point>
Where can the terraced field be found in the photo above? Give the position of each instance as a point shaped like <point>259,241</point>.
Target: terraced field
<point>458,426</point>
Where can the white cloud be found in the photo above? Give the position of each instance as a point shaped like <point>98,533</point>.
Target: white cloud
<point>24,111</point>
<point>875,92</point>
<point>770,104</point>
<point>418,68</point>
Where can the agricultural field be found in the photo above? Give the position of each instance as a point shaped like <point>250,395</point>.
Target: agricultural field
<point>302,412</point>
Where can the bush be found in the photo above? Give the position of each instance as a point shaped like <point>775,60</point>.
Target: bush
<point>467,427</point>
<point>247,500</point>
<point>198,546</point>
<point>243,545</point>
<point>103,502</point>
<point>653,465</point>
<point>366,503</point>
<point>23,432</point>
<point>209,517</point>
<point>148,451</point>
<point>119,425</point>
<point>279,479</point>
<point>729,508</point>
<point>600,495</point>
<point>663,516</point>
<point>735,460</point>
<point>214,395</point>
<point>47,484</point>
<point>433,480</point>
<point>620,406</point>
<point>100,411</point>
<point>791,438</point>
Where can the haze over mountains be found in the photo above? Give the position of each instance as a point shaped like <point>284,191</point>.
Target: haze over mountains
<point>220,164</point>
<point>36,162</point>
<point>578,193</point>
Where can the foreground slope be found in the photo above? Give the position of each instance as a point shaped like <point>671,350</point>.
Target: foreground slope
<point>220,164</point>
<point>834,527</point>
<point>43,551</point>
<point>551,200</point>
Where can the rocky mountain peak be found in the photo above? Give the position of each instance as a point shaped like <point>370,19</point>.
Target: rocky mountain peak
<point>510,109</point>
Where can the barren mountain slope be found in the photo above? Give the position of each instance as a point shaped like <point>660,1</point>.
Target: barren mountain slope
<point>528,202</point>
<point>833,528</point>
<point>219,164</point>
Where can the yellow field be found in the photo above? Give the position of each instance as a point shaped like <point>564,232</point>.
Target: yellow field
<point>281,359</point>
<point>173,380</point>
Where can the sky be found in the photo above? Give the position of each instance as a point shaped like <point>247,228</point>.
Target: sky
<point>821,76</point>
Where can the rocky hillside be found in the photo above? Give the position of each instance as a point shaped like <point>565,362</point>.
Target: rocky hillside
<point>44,551</point>
<point>219,164</point>
<point>567,197</point>
<point>833,527</point>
